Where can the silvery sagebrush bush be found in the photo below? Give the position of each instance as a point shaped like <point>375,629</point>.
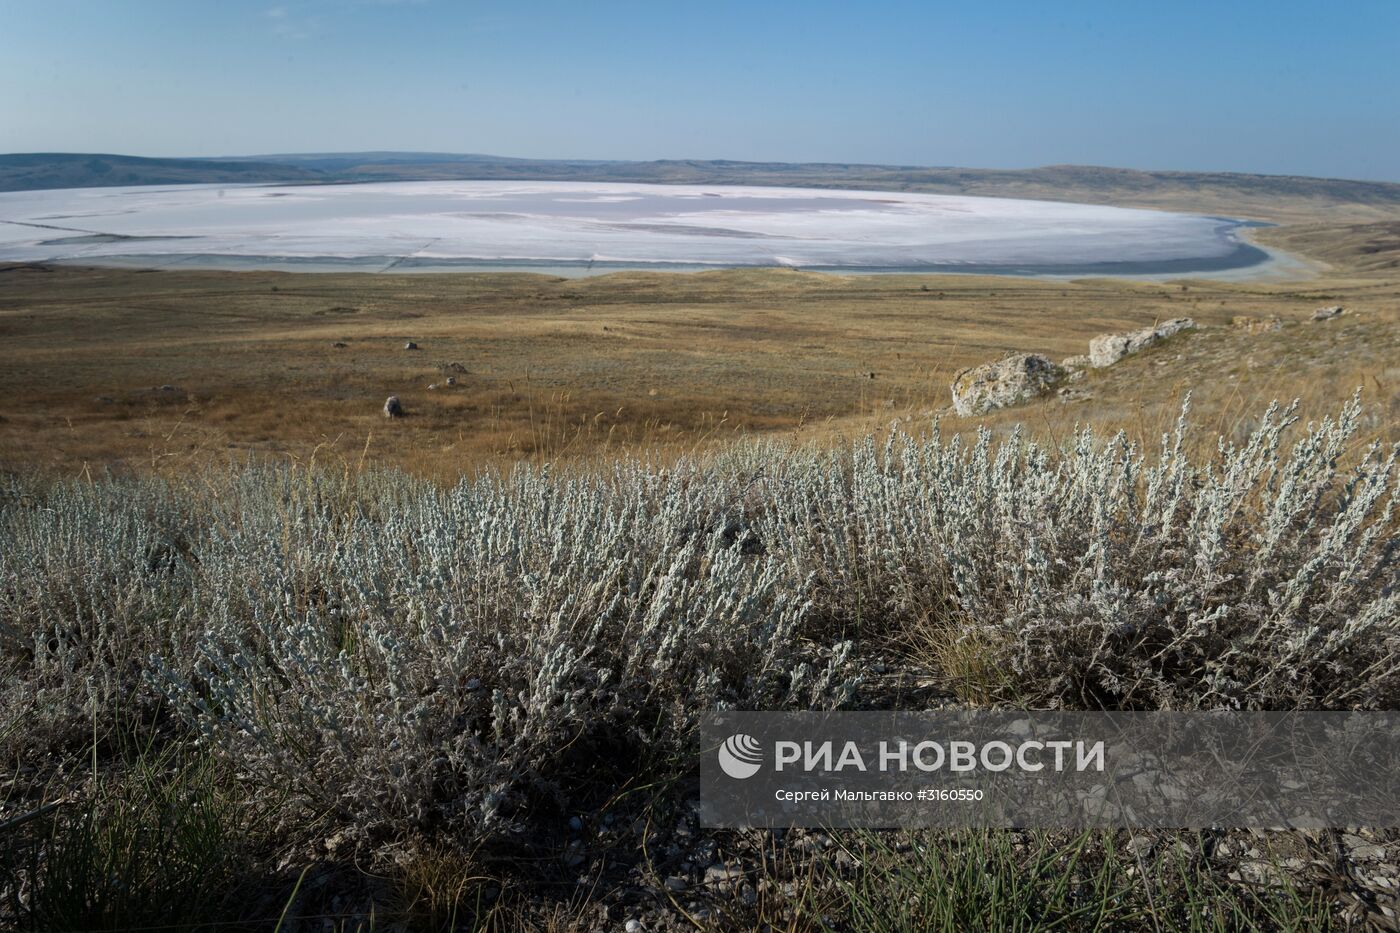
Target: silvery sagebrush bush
<point>94,578</point>
<point>408,660</point>
<point>394,658</point>
<point>1097,577</point>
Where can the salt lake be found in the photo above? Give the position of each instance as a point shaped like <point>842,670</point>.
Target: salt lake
<point>583,227</point>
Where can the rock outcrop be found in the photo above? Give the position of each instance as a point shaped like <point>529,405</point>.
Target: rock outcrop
<point>1006,382</point>
<point>1075,367</point>
<point>1107,349</point>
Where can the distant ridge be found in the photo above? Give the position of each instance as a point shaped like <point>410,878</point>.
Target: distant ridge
<point>1269,197</point>
<point>38,170</point>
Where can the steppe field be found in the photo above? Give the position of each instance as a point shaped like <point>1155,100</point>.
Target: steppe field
<point>131,370</point>
<point>271,660</point>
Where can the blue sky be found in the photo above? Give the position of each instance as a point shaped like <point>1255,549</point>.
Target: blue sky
<point>1281,87</point>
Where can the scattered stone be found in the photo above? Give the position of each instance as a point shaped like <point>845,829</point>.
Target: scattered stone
<point>576,824</point>
<point>1075,363</point>
<point>720,873</point>
<point>340,345</point>
<point>432,385</point>
<point>1107,349</point>
<point>1006,382</point>
<point>1139,846</point>
<point>410,346</point>
<point>1256,325</point>
<point>1070,394</point>
<point>167,388</point>
<point>451,368</point>
<point>1258,872</point>
<point>633,926</point>
<point>392,407</point>
<point>1326,314</point>
<point>104,400</point>
<point>675,885</point>
<point>452,380</point>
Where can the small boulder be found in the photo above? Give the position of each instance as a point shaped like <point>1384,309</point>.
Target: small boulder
<point>340,344</point>
<point>392,407</point>
<point>1006,382</point>
<point>1326,314</point>
<point>432,385</point>
<point>410,346</point>
<point>1107,349</point>
<point>452,380</point>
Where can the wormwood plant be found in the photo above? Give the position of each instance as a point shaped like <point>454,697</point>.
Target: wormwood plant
<point>1262,577</point>
<point>461,663</point>
<point>401,661</point>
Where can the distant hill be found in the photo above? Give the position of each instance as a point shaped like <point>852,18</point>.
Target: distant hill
<point>1266,197</point>
<point>37,170</point>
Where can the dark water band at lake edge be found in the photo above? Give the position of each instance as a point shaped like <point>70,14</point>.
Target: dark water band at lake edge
<point>1242,257</point>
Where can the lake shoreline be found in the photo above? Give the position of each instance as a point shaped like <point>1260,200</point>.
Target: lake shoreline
<point>576,230</point>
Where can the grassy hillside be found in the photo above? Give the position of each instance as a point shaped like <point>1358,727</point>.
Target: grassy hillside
<point>41,170</point>
<point>549,369</point>
<point>1369,248</point>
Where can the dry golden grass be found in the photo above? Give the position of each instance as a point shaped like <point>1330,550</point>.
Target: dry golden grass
<point>1230,375</point>
<point>566,369</point>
